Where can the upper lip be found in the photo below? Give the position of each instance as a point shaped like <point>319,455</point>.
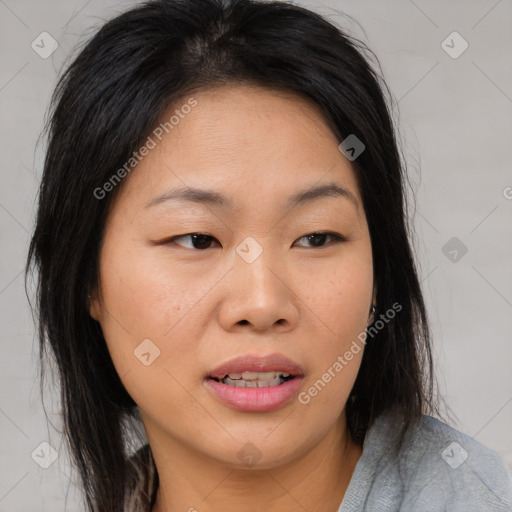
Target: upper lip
<point>258,363</point>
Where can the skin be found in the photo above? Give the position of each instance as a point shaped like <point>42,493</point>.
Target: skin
<point>203,306</point>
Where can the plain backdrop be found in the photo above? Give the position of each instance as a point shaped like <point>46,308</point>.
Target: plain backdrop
<point>455,106</point>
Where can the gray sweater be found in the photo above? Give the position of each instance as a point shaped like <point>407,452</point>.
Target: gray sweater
<point>437,469</point>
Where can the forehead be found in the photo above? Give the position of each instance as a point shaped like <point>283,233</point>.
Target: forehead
<point>247,143</point>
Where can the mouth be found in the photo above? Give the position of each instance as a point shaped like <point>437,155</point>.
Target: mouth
<point>249,379</point>
<point>256,383</point>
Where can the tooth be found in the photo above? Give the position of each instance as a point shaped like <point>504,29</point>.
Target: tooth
<point>266,375</point>
<point>258,383</point>
<point>253,376</point>
<point>274,382</point>
<point>269,383</point>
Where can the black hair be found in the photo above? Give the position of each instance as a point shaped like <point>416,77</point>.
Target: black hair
<point>107,102</point>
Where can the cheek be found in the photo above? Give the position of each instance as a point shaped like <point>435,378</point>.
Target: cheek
<point>144,304</point>
<point>145,290</point>
<point>338,299</point>
<point>143,299</point>
<point>339,294</point>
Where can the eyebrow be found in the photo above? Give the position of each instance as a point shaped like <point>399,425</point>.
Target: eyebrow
<point>212,197</point>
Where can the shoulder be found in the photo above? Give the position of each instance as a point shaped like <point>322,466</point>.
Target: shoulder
<point>435,468</point>
<point>436,460</point>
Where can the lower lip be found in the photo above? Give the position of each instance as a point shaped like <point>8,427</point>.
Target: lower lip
<point>255,399</point>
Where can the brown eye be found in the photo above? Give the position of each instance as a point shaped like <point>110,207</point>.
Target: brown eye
<point>198,240</point>
<point>318,239</point>
<point>201,241</point>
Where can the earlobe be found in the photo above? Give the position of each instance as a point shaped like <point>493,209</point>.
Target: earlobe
<point>94,308</point>
<point>373,307</point>
<point>371,316</point>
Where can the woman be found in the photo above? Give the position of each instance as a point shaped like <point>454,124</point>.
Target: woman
<point>226,281</point>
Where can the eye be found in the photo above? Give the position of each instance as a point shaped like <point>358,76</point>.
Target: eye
<point>202,241</point>
<point>318,239</point>
<point>199,240</point>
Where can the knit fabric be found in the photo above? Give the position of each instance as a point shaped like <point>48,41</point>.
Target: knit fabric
<point>436,469</point>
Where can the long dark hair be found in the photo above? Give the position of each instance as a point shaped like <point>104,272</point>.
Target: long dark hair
<point>106,103</point>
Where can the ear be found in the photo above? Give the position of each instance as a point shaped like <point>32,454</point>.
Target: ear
<point>94,307</point>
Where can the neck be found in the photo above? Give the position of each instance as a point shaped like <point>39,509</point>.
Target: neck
<point>316,481</point>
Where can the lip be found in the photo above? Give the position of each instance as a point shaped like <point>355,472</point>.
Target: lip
<point>256,399</point>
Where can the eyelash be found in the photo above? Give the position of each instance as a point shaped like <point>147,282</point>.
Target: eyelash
<point>337,239</point>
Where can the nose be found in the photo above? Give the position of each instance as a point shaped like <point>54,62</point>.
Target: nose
<point>258,294</point>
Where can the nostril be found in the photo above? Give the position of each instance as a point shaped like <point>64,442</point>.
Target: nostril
<point>243,322</point>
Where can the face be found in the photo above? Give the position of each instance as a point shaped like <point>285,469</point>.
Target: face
<point>259,280</point>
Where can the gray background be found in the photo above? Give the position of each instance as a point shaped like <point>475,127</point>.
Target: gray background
<point>456,124</point>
